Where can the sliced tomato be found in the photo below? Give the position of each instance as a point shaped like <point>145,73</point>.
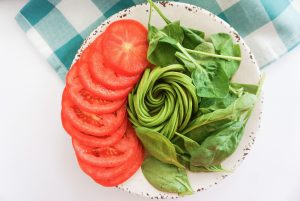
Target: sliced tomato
<point>90,140</point>
<point>111,156</point>
<point>87,101</point>
<point>91,123</point>
<point>98,89</point>
<point>85,54</point>
<point>125,47</point>
<point>103,173</point>
<point>72,75</point>
<point>105,75</point>
<point>125,175</point>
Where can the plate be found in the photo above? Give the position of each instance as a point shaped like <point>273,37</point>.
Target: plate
<point>198,18</point>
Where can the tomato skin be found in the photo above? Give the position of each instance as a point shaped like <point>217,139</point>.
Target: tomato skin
<point>92,140</point>
<point>72,75</point>
<point>111,156</point>
<point>98,89</point>
<point>90,123</point>
<point>125,46</point>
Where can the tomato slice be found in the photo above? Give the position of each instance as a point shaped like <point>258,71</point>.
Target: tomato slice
<point>125,47</point>
<point>90,140</point>
<point>72,75</point>
<point>98,89</point>
<point>87,101</point>
<point>91,123</point>
<point>125,175</point>
<point>105,75</point>
<point>104,173</point>
<point>111,156</point>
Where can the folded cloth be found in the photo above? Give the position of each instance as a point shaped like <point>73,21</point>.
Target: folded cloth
<point>58,27</point>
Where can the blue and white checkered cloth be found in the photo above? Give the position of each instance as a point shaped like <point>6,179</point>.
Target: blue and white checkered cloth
<point>58,27</point>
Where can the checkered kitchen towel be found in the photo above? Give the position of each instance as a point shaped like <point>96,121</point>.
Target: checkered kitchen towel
<point>58,27</point>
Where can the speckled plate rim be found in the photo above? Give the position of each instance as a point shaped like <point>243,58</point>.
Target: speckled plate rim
<point>192,8</point>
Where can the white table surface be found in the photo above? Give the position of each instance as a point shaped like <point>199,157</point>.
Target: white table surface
<point>37,161</point>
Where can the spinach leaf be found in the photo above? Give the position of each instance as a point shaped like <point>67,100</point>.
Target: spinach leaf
<point>224,45</point>
<point>214,84</point>
<point>192,37</point>
<point>213,168</point>
<point>204,47</point>
<point>174,31</point>
<point>250,88</point>
<point>186,143</point>
<point>166,177</point>
<point>158,146</point>
<point>217,147</point>
<point>208,105</point>
<point>231,113</point>
<point>210,79</point>
<point>202,132</point>
<point>159,42</point>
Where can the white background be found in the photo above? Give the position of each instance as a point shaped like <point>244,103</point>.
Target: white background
<point>38,163</point>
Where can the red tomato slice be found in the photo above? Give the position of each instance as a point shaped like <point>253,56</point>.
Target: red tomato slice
<point>111,156</point>
<point>125,175</point>
<point>98,89</point>
<point>72,75</point>
<point>125,47</point>
<point>92,140</point>
<point>102,173</point>
<point>91,123</point>
<point>87,101</point>
<point>105,75</point>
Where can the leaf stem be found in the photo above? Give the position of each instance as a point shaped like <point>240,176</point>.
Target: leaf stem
<point>214,55</point>
<point>150,15</point>
<point>183,50</point>
<point>159,12</point>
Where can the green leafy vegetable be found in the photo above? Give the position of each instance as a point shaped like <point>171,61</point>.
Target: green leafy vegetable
<point>166,177</point>
<point>186,143</point>
<point>192,38</point>
<point>187,112</point>
<point>215,168</point>
<point>232,112</point>
<point>219,146</point>
<point>224,45</point>
<point>235,91</point>
<point>158,146</point>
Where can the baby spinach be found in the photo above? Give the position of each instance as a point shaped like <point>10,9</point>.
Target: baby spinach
<point>192,37</point>
<point>166,177</point>
<point>217,147</point>
<point>232,112</point>
<point>210,80</point>
<point>186,111</point>
<point>159,42</point>
<point>224,45</point>
<point>158,146</point>
<point>187,144</point>
<point>235,90</point>
<point>213,168</point>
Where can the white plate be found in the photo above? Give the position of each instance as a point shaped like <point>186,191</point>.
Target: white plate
<point>198,18</point>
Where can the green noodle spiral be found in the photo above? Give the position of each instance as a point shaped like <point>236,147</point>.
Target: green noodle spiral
<point>163,101</point>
